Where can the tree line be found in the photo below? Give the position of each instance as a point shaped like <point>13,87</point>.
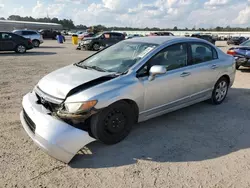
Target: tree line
<point>69,24</point>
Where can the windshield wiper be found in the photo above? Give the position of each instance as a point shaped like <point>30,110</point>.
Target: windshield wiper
<point>92,67</point>
<point>96,68</point>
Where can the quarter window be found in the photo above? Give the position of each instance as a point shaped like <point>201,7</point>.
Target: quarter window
<point>202,53</point>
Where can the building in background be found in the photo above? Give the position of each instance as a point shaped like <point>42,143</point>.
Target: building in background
<point>9,25</point>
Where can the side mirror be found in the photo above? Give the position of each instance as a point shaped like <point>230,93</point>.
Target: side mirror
<point>156,70</point>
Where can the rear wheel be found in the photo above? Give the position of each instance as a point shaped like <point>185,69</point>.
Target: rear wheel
<point>36,43</point>
<point>113,124</point>
<point>220,91</point>
<point>20,49</point>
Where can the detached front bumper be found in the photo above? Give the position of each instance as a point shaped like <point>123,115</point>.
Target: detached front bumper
<point>242,61</point>
<point>57,138</point>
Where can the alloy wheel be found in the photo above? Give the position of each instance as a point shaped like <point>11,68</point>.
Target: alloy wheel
<point>221,91</point>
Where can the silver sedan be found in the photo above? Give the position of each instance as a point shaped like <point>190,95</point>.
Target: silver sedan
<point>101,97</point>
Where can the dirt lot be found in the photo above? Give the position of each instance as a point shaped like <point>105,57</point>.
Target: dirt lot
<point>199,146</point>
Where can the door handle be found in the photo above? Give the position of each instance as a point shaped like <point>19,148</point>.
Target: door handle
<point>214,66</point>
<point>184,74</point>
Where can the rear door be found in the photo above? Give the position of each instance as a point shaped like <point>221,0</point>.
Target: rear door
<point>7,42</point>
<point>203,69</point>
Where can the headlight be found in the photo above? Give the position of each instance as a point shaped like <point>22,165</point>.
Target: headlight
<point>75,108</point>
<point>86,41</point>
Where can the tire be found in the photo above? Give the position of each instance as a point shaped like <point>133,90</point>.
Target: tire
<point>220,91</point>
<point>36,43</point>
<point>237,67</point>
<point>113,123</point>
<point>20,49</point>
<point>96,47</point>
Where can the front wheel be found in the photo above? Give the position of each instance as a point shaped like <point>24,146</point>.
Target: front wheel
<point>220,91</point>
<point>113,123</point>
<point>20,49</point>
<point>96,47</point>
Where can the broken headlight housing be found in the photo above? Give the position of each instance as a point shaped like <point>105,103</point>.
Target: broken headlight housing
<point>78,107</point>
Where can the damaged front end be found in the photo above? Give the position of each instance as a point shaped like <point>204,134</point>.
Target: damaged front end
<point>75,116</point>
<point>56,132</point>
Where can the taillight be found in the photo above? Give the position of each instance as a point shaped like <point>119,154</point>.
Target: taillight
<point>231,52</point>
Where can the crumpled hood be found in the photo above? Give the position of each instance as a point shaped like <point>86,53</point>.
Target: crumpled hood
<point>60,82</point>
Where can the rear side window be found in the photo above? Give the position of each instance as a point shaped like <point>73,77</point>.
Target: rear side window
<point>202,52</point>
<point>29,33</point>
<point>117,36</point>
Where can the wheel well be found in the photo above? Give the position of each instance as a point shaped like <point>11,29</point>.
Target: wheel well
<point>36,40</point>
<point>227,77</point>
<point>134,106</point>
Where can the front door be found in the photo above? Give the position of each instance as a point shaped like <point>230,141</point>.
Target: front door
<point>167,90</point>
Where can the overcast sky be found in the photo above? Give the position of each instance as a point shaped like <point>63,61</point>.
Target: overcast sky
<point>136,13</point>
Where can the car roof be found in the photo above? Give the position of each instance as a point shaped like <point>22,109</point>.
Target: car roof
<point>112,32</point>
<point>24,30</point>
<point>164,39</point>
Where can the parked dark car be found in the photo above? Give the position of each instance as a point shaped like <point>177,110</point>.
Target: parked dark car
<point>49,34</point>
<point>101,40</point>
<point>246,43</point>
<point>13,42</point>
<point>161,34</point>
<point>241,55</point>
<point>208,38</point>
<point>236,40</point>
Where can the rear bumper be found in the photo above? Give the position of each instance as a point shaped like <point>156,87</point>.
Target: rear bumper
<point>57,138</point>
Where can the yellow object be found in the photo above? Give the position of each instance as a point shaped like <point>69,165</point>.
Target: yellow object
<point>75,39</point>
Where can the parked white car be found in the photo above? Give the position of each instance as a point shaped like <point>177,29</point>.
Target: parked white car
<point>101,97</point>
<point>35,37</point>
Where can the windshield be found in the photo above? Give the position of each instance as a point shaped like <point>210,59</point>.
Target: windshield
<point>119,57</point>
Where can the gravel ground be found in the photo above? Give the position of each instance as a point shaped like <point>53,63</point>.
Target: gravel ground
<point>199,146</point>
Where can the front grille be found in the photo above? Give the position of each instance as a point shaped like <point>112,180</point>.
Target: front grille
<point>48,105</point>
<point>29,122</point>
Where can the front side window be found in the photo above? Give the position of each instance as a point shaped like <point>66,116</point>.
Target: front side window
<point>172,57</point>
<point>202,52</point>
<point>107,36</point>
<point>119,57</point>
